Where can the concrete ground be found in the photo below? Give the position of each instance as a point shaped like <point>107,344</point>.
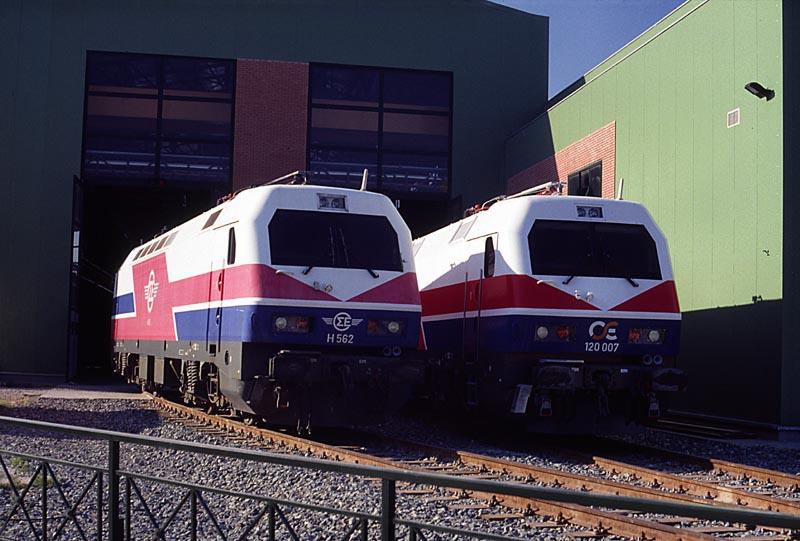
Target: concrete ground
<point>72,391</point>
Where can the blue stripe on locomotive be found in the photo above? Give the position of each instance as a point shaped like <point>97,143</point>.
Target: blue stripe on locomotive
<point>254,323</point>
<point>123,304</point>
<point>516,334</point>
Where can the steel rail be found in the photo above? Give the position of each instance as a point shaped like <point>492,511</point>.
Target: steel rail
<point>578,482</point>
<point>269,436</point>
<point>598,520</point>
<point>585,517</point>
<point>696,487</point>
<point>782,479</point>
<point>569,480</point>
<point>765,518</point>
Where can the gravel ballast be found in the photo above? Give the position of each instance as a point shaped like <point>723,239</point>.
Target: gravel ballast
<point>279,482</point>
<point>313,487</point>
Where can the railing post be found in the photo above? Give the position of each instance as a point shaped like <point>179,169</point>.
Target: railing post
<point>388,496</point>
<point>271,522</point>
<point>193,514</point>
<point>114,533</point>
<point>99,515</point>
<point>127,508</point>
<point>44,501</point>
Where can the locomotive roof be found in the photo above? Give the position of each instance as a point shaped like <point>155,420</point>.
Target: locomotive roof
<point>516,214</point>
<point>250,202</point>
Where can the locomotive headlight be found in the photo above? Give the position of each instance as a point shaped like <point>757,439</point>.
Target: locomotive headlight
<point>294,324</point>
<point>542,332</point>
<point>646,336</point>
<point>382,327</point>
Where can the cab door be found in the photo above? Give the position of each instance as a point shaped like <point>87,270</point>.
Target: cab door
<point>480,265</point>
<point>223,255</point>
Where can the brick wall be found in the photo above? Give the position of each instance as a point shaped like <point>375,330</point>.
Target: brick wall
<point>270,120</point>
<point>597,146</point>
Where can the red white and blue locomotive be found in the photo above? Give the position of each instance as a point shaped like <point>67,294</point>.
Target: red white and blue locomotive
<point>292,303</point>
<point>560,312</point>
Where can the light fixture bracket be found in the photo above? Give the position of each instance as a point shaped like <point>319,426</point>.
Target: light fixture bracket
<point>759,91</point>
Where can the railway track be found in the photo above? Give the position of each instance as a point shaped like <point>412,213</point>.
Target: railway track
<point>705,477</point>
<point>690,427</point>
<point>581,522</point>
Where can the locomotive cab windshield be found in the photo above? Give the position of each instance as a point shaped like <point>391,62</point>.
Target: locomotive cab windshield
<point>596,249</point>
<point>314,239</point>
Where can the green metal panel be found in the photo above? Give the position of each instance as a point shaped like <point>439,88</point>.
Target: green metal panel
<point>715,191</point>
<point>684,175</point>
<point>498,57</point>
<point>745,159</point>
<point>677,156</point>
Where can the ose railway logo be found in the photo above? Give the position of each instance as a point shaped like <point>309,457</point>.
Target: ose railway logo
<point>150,290</point>
<point>342,321</point>
<point>600,330</point>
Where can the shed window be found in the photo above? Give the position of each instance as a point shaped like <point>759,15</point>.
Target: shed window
<point>152,117</point>
<point>394,123</point>
<point>587,181</point>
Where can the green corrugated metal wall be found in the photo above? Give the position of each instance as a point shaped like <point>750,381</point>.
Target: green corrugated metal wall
<point>715,191</point>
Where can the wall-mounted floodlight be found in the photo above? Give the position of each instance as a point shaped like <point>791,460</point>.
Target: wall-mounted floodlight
<point>759,91</point>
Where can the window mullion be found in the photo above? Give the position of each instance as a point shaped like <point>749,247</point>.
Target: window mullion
<point>379,172</point>
<point>159,117</point>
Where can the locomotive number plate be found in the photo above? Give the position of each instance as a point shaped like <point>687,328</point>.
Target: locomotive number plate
<point>608,347</point>
<point>339,338</point>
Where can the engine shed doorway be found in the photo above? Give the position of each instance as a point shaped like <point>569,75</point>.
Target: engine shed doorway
<point>108,222</point>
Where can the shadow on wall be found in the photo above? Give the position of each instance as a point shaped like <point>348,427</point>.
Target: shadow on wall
<point>531,152</point>
<point>731,356</point>
<point>575,85</point>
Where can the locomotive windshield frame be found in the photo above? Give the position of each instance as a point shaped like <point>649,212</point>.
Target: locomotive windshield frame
<point>333,240</point>
<point>598,249</point>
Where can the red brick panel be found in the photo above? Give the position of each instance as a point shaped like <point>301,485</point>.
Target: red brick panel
<point>597,146</point>
<point>270,120</point>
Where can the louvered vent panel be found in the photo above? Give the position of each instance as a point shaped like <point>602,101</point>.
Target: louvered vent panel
<point>733,118</point>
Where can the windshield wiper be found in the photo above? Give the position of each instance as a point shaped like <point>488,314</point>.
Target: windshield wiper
<point>308,269</point>
<point>631,281</point>
<point>372,272</point>
<point>568,280</point>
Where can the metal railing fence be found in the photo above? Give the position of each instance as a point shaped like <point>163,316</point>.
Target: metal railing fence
<point>110,524</point>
